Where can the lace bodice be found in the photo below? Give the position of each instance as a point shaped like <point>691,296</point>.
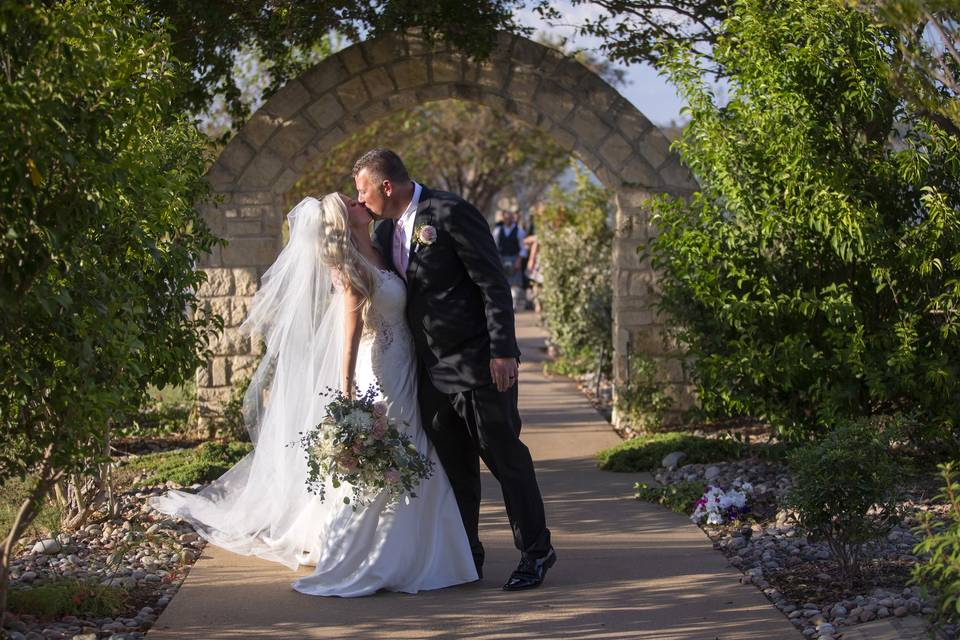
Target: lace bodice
<point>386,336</point>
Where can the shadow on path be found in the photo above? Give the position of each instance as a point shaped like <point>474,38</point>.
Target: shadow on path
<point>626,569</point>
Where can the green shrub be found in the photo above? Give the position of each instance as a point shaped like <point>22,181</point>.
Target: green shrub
<point>575,258</point>
<point>189,466</point>
<point>232,426</point>
<point>645,453</point>
<point>68,596</point>
<point>680,497</point>
<point>641,399</point>
<point>939,548</point>
<point>844,490</point>
<point>813,276</point>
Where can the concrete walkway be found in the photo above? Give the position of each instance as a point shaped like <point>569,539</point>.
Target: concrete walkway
<point>626,569</point>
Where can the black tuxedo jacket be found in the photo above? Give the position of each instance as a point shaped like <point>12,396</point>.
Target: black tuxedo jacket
<point>459,305</point>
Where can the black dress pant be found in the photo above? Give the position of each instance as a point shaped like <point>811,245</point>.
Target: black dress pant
<point>485,423</point>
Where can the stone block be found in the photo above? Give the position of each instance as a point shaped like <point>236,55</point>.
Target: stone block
<point>246,281</point>
<point>402,100</point>
<point>527,52</point>
<point>615,150</point>
<point>638,173</point>
<point>372,112</point>
<point>220,282</point>
<point>212,397</point>
<point>250,252</point>
<point>564,137</point>
<point>325,75</point>
<point>411,72</point>
<point>203,376</point>
<point>378,83</point>
<point>526,113</point>
<point>353,59</point>
<point>385,49</point>
<point>236,155</point>
<point>554,101</point>
<point>253,197</point>
<point>303,160</point>
<point>676,177</point>
<point>589,127</point>
<point>331,138</point>
<point>259,128</point>
<point>598,94</point>
<point>633,124</point>
<point>353,93</point>
<point>569,74</point>
<point>466,91</point>
<point>210,260</point>
<point>434,92</point>
<point>288,100</point>
<point>242,367</point>
<point>239,307</point>
<point>257,211</point>
<point>286,180</point>
<point>261,172</point>
<point>492,75</point>
<point>523,85</point>
<point>655,148</point>
<point>218,373</point>
<point>244,227</point>
<point>219,178</point>
<point>292,136</point>
<point>231,342</point>
<point>447,67</point>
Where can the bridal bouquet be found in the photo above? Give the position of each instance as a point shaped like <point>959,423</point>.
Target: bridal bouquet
<point>357,444</point>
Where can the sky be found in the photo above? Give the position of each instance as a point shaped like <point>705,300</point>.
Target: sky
<point>649,92</point>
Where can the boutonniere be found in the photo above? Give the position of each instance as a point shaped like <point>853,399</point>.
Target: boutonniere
<point>425,235</point>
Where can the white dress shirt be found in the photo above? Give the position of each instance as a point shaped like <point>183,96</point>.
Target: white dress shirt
<point>407,217</point>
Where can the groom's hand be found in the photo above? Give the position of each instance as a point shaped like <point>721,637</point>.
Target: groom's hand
<point>504,372</point>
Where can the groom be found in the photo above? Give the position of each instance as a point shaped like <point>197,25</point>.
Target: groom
<point>460,311</point>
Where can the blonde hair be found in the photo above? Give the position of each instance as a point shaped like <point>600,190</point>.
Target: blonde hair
<point>339,253</point>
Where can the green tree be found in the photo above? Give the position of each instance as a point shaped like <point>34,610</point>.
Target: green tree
<point>465,148</point>
<point>576,238</point>
<point>639,31</point>
<point>926,69</point>
<point>208,35</point>
<point>816,274</point>
<point>99,235</point>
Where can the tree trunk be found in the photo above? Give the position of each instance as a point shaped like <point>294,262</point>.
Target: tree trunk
<point>25,515</point>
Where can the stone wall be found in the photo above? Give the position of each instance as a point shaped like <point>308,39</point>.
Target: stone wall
<point>364,82</point>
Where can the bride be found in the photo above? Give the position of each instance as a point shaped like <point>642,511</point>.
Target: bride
<point>331,314</point>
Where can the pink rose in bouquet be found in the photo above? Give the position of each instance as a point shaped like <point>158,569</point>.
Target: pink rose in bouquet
<point>379,409</point>
<point>379,428</point>
<point>393,476</point>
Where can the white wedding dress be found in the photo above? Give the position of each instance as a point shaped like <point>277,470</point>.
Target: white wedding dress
<point>261,506</point>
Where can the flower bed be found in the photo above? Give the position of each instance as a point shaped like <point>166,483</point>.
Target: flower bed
<point>797,575</point>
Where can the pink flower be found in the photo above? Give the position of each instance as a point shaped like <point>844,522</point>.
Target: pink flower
<point>379,409</point>
<point>393,476</point>
<point>427,235</point>
<point>379,428</point>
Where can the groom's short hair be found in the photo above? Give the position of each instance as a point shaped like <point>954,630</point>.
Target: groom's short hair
<point>382,164</point>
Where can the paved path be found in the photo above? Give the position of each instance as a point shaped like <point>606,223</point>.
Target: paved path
<point>626,569</point>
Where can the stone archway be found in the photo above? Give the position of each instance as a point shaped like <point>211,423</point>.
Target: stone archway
<point>366,81</point>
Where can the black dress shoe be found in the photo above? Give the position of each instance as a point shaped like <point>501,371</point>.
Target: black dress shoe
<point>531,572</point>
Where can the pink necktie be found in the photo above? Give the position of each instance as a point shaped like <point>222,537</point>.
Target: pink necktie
<point>400,249</point>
